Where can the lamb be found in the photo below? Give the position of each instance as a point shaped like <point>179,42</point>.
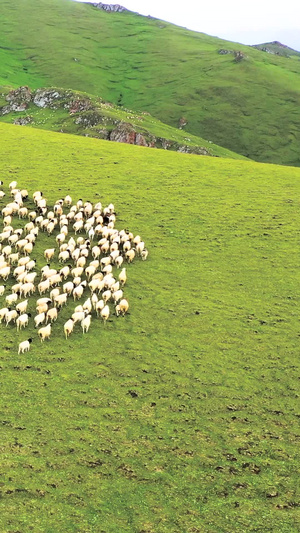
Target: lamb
<point>24,346</point>
<point>144,254</point>
<point>85,323</point>
<point>87,306</point>
<point>2,289</point>
<point>22,320</point>
<point>122,307</point>
<point>68,327</point>
<point>116,296</point>
<point>45,332</point>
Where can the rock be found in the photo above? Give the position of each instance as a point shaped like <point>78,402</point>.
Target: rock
<point>19,96</point>
<point>47,98</point>
<point>223,52</point>
<point>198,150</point>
<point>23,121</point>
<point>239,56</point>
<point>116,8</point>
<point>77,105</point>
<point>140,140</point>
<point>123,133</point>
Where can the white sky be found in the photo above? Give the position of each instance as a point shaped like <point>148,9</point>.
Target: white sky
<point>250,22</point>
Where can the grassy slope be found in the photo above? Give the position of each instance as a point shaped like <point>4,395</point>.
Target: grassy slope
<point>60,120</point>
<point>251,107</point>
<point>211,347</point>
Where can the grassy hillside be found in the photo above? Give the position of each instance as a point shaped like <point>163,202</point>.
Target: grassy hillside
<point>83,114</point>
<point>249,106</point>
<point>184,415</point>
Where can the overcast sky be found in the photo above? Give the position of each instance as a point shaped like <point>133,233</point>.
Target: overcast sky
<point>248,22</point>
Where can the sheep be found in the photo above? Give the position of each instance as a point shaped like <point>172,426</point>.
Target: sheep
<point>6,251</point>
<point>13,185</point>
<point>30,277</point>
<point>94,300</point>
<point>52,315</point>
<point>39,319</point>
<point>107,269</point>
<point>44,301</point>
<point>49,253</point>
<point>144,254</point>
<point>119,261</point>
<point>104,313</point>
<point>47,273</point>
<point>45,332</point>
<point>65,271</point>
<point>96,285</point>
<point>78,291</point>
<point>99,306</point>
<point>27,249</point>
<point>23,261</point>
<point>2,194</point>
<point>140,247</point>
<point>123,276</point>
<point>43,286</point>
<point>24,194</point>
<point>23,212</point>
<point>30,264</point>
<point>11,316</point>
<point>60,300</point>
<point>106,295</point>
<point>22,321</point>
<point>31,215</point>
<point>3,313</point>
<point>68,200</point>
<point>85,323</point>
<point>68,287</point>
<point>21,307</point>
<point>24,346</point>
<point>42,308</point>
<point>55,292</point>
<point>78,316</point>
<point>63,256</point>
<point>78,226</point>
<point>2,289</point>
<point>28,227</point>
<point>11,298</point>
<point>88,305</point>
<point>115,287</point>
<point>116,296</point>
<point>68,327</point>
<point>75,272</point>
<point>90,271</point>
<point>122,307</point>
<point>55,280</point>
<point>130,255</point>
<point>81,262</point>
<point>4,273</point>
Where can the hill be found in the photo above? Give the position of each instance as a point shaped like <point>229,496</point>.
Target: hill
<point>183,415</point>
<point>275,47</point>
<point>230,94</point>
<point>82,114</point>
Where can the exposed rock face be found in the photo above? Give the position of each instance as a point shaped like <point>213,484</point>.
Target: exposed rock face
<point>18,100</point>
<point>198,150</point>
<point>77,105</point>
<point>46,98</point>
<point>223,52</point>
<point>116,8</point>
<point>124,133</point>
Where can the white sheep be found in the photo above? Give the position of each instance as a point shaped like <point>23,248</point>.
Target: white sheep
<point>11,299</point>
<point>60,300</point>
<point>68,327</point>
<point>122,307</point>
<point>3,313</point>
<point>78,316</point>
<point>11,316</point>
<point>49,253</point>
<point>22,306</point>
<point>45,332</point>
<point>22,320</point>
<point>117,296</point>
<point>144,254</point>
<point>123,276</point>
<point>24,346</point>
<point>52,315</point>
<point>104,313</point>
<point>2,289</point>
<point>39,319</point>
<point>68,287</point>
<point>85,323</point>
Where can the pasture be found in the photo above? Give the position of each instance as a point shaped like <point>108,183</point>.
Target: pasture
<point>183,415</point>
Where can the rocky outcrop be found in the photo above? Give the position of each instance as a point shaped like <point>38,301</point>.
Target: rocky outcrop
<point>18,100</point>
<point>239,56</point>
<point>197,150</point>
<point>47,98</point>
<point>111,8</point>
<point>23,121</point>
<point>224,52</point>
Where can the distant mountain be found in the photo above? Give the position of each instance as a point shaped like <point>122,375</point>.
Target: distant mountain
<point>230,94</point>
<point>277,48</point>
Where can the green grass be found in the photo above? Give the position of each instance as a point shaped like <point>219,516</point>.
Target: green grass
<point>211,347</point>
<point>251,107</point>
<point>106,116</point>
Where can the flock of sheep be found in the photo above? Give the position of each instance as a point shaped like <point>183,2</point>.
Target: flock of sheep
<point>86,262</point>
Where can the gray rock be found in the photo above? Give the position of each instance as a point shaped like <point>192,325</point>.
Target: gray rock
<point>116,8</point>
